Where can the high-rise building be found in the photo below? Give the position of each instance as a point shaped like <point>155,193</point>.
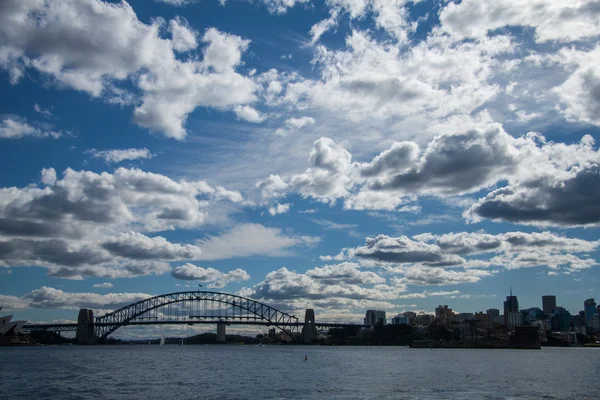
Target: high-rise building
<point>372,317</point>
<point>411,316</point>
<point>548,304</point>
<point>561,320</point>
<point>512,316</point>
<point>532,314</point>
<point>492,314</point>
<point>399,319</point>
<point>443,314</point>
<point>589,306</point>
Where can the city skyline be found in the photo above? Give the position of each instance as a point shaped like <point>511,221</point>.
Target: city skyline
<point>335,155</point>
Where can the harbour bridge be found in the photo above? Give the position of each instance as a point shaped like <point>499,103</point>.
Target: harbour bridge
<point>190,308</point>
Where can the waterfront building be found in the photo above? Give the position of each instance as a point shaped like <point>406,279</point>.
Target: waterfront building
<point>10,330</point>
<point>464,316</point>
<point>589,306</point>
<point>411,316</point>
<point>399,319</point>
<point>561,320</point>
<point>482,320</point>
<point>424,319</point>
<point>532,314</point>
<point>543,325</point>
<point>513,319</point>
<point>443,314</point>
<point>548,304</point>
<point>512,316</point>
<point>492,314</point>
<point>372,317</point>
<point>594,324</point>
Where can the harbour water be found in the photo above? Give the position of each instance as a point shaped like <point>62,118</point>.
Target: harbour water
<point>281,372</point>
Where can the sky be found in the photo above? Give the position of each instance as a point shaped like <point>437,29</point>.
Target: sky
<point>340,155</point>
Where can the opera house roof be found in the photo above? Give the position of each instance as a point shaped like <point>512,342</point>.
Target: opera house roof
<point>8,328</point>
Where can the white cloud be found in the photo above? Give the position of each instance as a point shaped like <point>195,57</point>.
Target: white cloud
<point>427,276</point>
<point>279,209</point>
<point>44,111</point>
<point>552,20</point>
<point>15,128</point>
<point>580,93</point>
<point>48,176</point>
<point>252,240</point>
<point>183,36</point>
<point>428,257</point>
<point>453,165</point>
<point>117,156</point>
<point>106,44</point>
<point>105,285</point>
<point>249,114</point>
<point>217,278</point>
<point>48,297</point>
<point>294,124</point>
<point>88,224</point>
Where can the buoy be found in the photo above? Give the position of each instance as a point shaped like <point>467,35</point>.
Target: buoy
<point>306,357</point>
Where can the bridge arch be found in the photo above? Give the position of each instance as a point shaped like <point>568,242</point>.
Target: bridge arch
<point>142,310</point>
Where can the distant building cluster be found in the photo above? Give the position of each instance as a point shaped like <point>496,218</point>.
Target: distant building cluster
<point>554,322</point>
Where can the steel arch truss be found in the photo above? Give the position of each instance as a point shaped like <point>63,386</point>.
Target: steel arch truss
<point>192,307</point>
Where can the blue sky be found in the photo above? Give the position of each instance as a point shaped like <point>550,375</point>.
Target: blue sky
<point>338,154</point>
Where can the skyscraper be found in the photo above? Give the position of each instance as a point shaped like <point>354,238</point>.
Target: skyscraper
<point>512,316</point>
<point>589,306</point>
<point>561,320</point>
<point>372,317</point>
<point>443,314</point>
<point>548,304</point>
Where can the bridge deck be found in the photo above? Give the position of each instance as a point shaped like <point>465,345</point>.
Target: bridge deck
<point>73,327</point>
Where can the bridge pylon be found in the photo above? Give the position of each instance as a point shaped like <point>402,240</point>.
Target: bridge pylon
<point>309,331</point>
<point>85,327</point>
<point>221,332</point>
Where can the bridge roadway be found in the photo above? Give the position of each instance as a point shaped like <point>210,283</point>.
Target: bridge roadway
<point>73,327</point>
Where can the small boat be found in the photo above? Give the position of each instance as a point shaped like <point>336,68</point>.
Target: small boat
<point>162,339</point>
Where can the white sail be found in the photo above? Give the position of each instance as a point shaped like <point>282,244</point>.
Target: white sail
<point>162,339</point>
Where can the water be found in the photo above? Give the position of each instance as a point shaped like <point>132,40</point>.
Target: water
<point>280,372</point>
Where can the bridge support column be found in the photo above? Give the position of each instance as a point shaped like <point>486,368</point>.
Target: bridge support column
<point>221,337</point>
<point>85,327</point>
<point>309,331</point>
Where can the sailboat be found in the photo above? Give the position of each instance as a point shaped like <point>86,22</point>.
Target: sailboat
<point>162,339</point>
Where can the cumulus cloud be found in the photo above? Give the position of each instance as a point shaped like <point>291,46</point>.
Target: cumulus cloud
<point>183,36</point>
<point>249,114</point>
<point>16,128</point>
<point>218,279</point>
<point>252,240</point>
<point>427,276</point>
<point>295,124</point>
<point>51,298</point>
<point>580,93</point>
<point>48,176</point>
<point>117,156</point>
<point>107,44</point>
<point>136,246</point>
<point>279,209</point>
<point>88,224</point>
<point>402,249</point>
<point>456,164</point>
<point>552,21</point>
<point>327,287</point>
<point>438,257</point>
<point>547,201</point>
<point>348,273</point>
